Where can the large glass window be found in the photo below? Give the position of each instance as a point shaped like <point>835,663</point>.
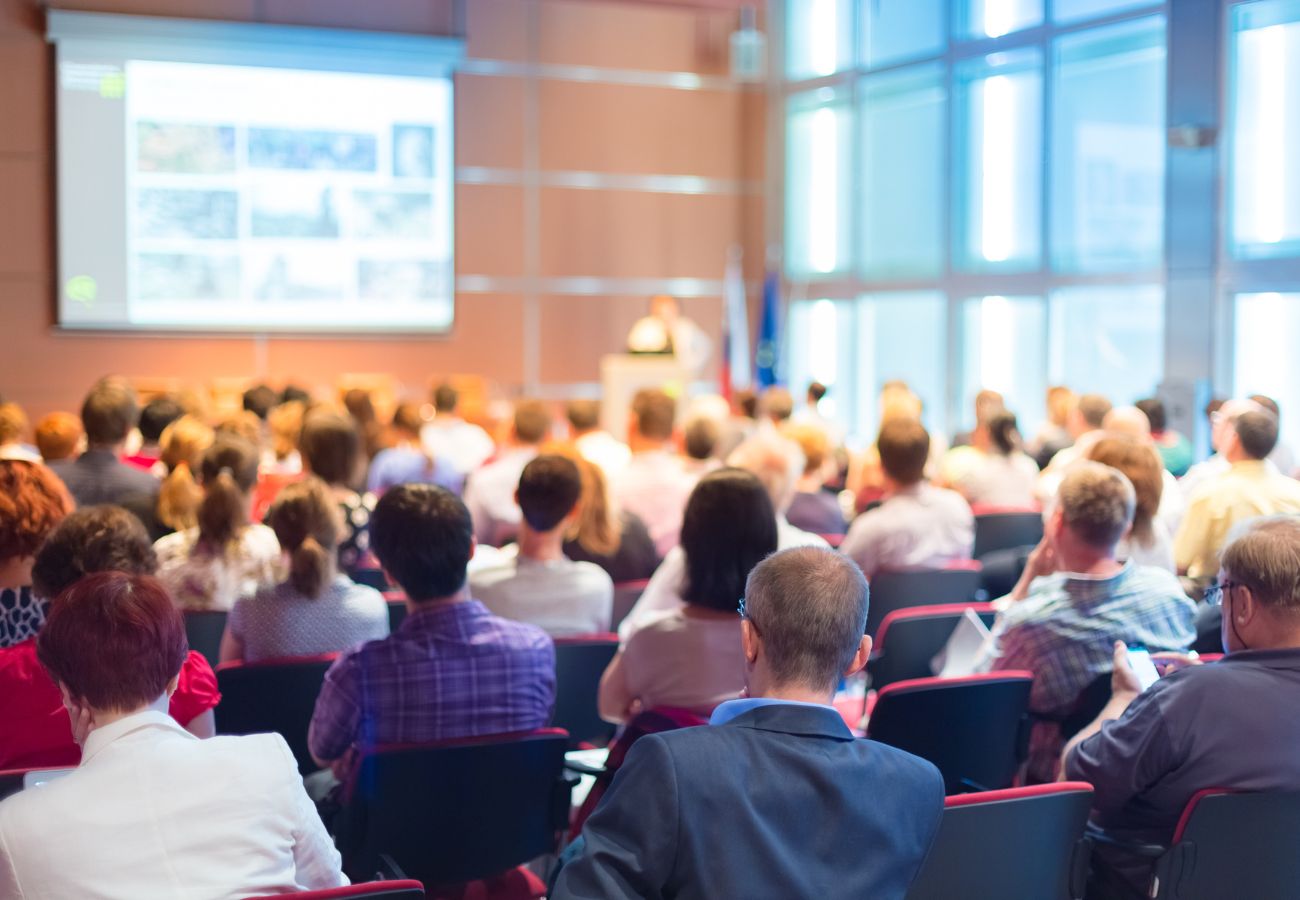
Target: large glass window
<point>1108,157</point>
<point>1001,188</point>
<point>994,18</point>
<point>897,30</point>
<point>818,134</point>
<point>902,173</point>
<point>1266,331</point>
<point>819,37</point>
<point>1108,340</point>
<point>1078,10</point>
<point>1004,349</point>
<point>1265,101</point>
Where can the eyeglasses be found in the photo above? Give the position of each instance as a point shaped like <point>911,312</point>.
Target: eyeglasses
<point>1214,593</point>
<point>740,608</point>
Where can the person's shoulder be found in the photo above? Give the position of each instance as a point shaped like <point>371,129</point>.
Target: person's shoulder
<point>176,544</point>
<point>517,635</point>
<point>590,574</point>
<point>1156,582</point>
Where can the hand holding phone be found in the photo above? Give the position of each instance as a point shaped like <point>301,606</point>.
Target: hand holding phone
<point>1139,658</point>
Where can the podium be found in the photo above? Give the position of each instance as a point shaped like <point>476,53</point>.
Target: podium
<point>623,374</point>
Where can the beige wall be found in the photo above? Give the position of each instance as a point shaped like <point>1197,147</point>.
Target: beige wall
<point>527,119</point>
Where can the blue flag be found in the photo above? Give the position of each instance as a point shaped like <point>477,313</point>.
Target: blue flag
<point>766,350</point>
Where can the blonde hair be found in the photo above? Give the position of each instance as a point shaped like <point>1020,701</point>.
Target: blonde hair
<point>181,449</point>
<point>307,522</point>
<point>1097,504</point>
<point>814,443</point>
<point>285,424</point>
<point>1060,401</point>
<point>898,402</point>
<point>13,423</point>
<point>242,424</point>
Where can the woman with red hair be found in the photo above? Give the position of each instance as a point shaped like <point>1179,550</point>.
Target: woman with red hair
<point>32,502</point>
<point>152,811</point>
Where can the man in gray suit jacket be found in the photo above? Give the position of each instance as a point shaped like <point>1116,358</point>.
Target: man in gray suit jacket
<point>108,414</point>
<point>776,798</point>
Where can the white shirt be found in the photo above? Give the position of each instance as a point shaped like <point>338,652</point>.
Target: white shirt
<point>655,486</point>
<point>462,444</point>
<point>199,578</point>
<point>918,527</point>
<point>605,450</point>
<point>664,592</point>
<point>490,496</point>
<point>19,452</point>
<point>562,597</point>
<point>153,812</point>
<point>996,480</point>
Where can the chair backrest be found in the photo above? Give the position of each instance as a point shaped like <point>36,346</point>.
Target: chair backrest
<point>1087,706</point>
<point>273,695</point>
<point>909,638</point>
<point>374,578</point>
<point>203,629</point>
<point>974,729</point>
<point>1018,844</point>
<point>396,614</point>
<point>455,812</point>
<point>626,594</point>
<point>1233,845</point>
<point>579,663</point>
<point>405,889</point>
<point>921,587</point>
<point>1006,530</point>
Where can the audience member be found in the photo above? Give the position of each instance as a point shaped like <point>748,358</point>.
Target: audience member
<point>284,427</point>
<point>59,435</point>
<point>490,492</point>
<point>654,485</point>
<point>151,811</point>
<point>13,429</point>
<point>918,525</point>
<point>987,404</point>
<point>1053,435</point>
<point>242,424</point>
<point>32,502</point>
<point>157,414</point>
<point>182,446</point>
<point>463,444</point>
<point>406,461</point>
<point>292,393</point>
<point>99,475</point>
<point>814,413</point>
<point>452,670</point>
<point>739,425</point>
<point>1148,542</point>
<point>1282,455</point>
<point>1175,450</point>
<point>996,471</point>
<point>316,609</point>
<point>616,540</point>
<point>689,657</point>
<point>813,508</point>
<point>592,441</point>
<point>537,583</point>
<point>1221,419</point>
<point>775,406</point>
<point>771,761</point>
<point>1231,724</point>
<point>700,437</point>
<point>361,407</point>
<point>1251,487</point>
<point>260,399</point>
<point>95,539</point>
<point>331,450</point>
<point>1085,424</point>
<point>1075,599</point>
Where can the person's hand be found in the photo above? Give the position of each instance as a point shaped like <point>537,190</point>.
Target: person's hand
<point>1169,661</point>
<point>82,722</point>
<point>1042,560</point>
<point>1123,680</point>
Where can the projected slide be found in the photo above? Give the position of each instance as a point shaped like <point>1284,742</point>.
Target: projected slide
<point>198,196</point>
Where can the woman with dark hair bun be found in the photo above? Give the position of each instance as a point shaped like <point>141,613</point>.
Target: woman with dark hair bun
<point>151,811</point>
<point>997,471</point>
<point>690,658</point>
<point>224,556</point>
<point>316,608</point>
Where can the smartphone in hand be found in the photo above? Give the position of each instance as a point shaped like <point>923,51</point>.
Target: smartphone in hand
<point>1145,670</point>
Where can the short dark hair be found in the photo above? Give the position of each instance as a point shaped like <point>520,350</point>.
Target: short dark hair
<point>109,412</point>
<point>422,535</point>
<point>293,393</point>
<point>729,526</point>
<point>701,437</point>
<point>114,640</point>
<point>92,539</point>
<point>904,447</point>
<point>809,606</point>
<point>654,412</point>
<point>746,401</point>
<point>816,391</point>
<point>331,446</point>
<point>1004,432</point>
<point>532,420</point>
<point>583,414</point>
<point>1257,432</point>
<point>1093,409</point>
<point>260,399</point>
<point>445,398</point>
<point>1154,409</point>
<point>157,414</point>
<point>549,489</point>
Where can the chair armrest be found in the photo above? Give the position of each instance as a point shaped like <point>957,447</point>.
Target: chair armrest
<point>583,768</point>
<point>1137,848</point>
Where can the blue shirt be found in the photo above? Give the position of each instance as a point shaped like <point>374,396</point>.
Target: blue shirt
<point>403,465</point>
<point>725,712</point>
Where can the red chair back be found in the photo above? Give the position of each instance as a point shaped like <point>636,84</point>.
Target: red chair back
<point>455,812</point>
<point>404,889</point>
<point>273,695</point>
<point>1017,844</point>
<point>974,729</point>
<point>579,663</point>
<point>959,583</point>
<point>1230,844</point>
<point>909,638</point>
<point>626,594</point>
<point>999,529</point>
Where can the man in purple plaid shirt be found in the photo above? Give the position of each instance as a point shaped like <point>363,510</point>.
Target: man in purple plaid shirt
<point>452,670</point>
<point>1075,600</point>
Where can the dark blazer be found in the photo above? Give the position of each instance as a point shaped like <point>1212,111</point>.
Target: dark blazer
<point>780,802</point>
<point>98,476</point>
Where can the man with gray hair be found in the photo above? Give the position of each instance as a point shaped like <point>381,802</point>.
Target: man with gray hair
<point>1231,724</point>
<point>770,761</point>
<point>1075,600</point>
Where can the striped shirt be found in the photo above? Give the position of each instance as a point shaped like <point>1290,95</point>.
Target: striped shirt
<point>451,671</point>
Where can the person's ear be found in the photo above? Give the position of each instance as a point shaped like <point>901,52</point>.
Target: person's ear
<point>749,641</point>
<point>860,658</point>
<point>173,684</point>
<point>1245,607</point>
